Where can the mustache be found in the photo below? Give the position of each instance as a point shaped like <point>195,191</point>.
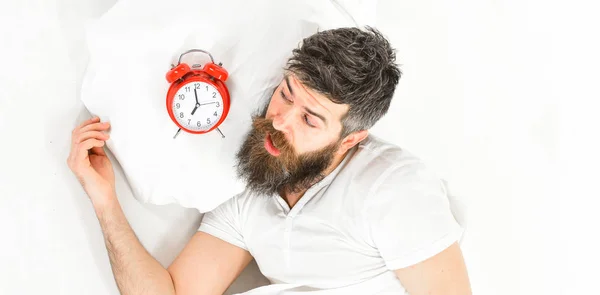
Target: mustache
<point>264,126</point>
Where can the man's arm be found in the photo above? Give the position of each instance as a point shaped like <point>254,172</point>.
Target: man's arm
<point>207,265</point>
<point>135,271</point>
<point>444,273</point>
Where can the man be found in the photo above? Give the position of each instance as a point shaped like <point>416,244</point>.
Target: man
<point>328,208</point>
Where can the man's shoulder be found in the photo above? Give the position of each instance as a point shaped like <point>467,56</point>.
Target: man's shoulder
<point>375,156</point>
<point>378,163</point>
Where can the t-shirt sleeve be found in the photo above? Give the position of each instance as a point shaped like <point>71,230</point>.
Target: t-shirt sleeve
<point>223,222</point>
<point>408,216</point>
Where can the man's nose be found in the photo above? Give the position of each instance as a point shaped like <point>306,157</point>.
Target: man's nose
<point>282,122</point>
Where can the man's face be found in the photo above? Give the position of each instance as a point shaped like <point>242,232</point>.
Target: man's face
<point>293,142</point>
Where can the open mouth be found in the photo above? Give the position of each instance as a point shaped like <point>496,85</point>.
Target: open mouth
<point>270,147</point>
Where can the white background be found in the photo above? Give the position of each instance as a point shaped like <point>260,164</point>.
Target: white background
<point>500,97</point>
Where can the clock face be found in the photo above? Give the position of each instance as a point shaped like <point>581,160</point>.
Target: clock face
<point>197,106</point>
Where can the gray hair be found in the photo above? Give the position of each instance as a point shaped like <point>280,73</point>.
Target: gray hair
<point>349,66</point>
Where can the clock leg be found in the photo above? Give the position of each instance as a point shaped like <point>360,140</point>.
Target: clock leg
<point>177,133</point>
<point>223,136</point>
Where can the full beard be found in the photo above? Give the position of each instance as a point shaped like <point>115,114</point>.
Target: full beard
<point>289,172</point>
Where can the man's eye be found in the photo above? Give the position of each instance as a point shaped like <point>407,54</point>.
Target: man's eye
<point>308,121</point>
<point>284,97</point>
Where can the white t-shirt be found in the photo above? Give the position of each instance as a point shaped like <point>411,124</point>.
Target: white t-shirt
<point>380,210</point>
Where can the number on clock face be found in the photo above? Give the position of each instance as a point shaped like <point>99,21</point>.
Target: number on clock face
<point>197,106</point>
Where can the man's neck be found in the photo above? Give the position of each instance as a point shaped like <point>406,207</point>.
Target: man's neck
<point>291,198</point>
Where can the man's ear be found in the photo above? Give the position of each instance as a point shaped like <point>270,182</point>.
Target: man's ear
<point>352,139</point>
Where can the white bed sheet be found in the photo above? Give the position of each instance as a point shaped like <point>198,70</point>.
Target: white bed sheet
<point>461,106</point>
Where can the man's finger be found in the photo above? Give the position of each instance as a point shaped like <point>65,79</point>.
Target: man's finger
<point>84,147</point>
<point>96,127</point>
<point>91,134</point>
<point>77,129</point>
<point>89,121</point>
<point>98,151</point>
<point>90,127</point>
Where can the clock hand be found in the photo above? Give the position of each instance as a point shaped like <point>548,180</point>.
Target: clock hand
<point>197,103</point>
<point>208,103</point>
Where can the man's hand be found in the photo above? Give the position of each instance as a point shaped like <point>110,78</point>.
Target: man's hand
<point>89,162</point>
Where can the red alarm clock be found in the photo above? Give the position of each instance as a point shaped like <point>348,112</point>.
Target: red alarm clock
<point>198,99</point>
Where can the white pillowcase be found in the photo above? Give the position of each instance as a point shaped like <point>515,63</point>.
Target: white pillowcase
<point>131,49</point>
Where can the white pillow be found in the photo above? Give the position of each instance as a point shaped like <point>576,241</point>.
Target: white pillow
<point>131,49</point>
